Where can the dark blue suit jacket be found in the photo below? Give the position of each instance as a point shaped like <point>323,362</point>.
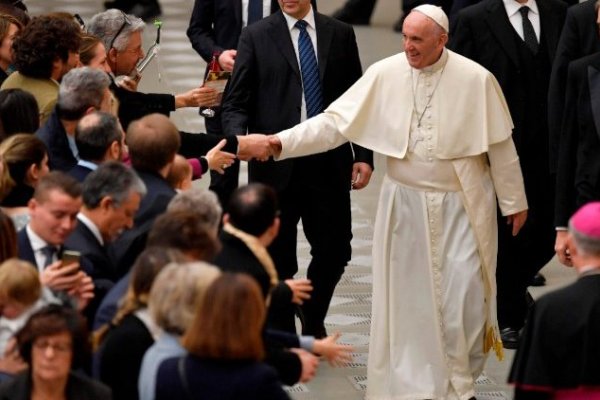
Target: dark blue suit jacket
<point>132,242</point>
<point>83,240</point>
<point>60,156</point>
<point>79,172</point>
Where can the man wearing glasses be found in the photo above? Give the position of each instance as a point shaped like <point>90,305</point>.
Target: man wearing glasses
<point>122,37</point>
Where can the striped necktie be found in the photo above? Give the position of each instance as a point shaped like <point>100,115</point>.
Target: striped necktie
<point>528,31</point>
<point>310,72</point>
<point>255,11</point>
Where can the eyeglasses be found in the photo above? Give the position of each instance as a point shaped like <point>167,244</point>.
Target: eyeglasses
<point>126,21</point>
<point>43,345</point>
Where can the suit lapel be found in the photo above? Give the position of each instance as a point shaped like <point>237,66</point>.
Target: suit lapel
<point>25,249</point>
<point>500,27</point>
<point>324,39</point>
<point>279,33</point>
<point>593,73</point>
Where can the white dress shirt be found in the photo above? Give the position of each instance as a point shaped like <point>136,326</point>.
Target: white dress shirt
<point>266,10</point>
<point>516,19</point>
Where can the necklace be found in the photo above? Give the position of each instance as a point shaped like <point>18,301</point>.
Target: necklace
<point>420,117</point>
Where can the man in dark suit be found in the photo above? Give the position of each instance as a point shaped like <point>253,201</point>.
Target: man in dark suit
<point>99,138</point>
<point>122,38</point>
<point>517,43</point>
<point>579,38</point>
<point>111,197</point>
<point>153,142</point>
<point>53,210</point>
<point>215,28</point>
<point>82,91</point>
<point>578,174</point>
<point>266,94</point>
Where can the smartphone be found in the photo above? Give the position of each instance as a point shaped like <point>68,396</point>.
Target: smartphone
<point>70,257</point>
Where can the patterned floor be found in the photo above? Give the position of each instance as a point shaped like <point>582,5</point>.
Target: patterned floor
<point>179,68</point>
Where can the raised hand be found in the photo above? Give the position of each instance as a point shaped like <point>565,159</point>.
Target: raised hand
<point>197,97</point>
<point>219,160</point>
<point>253,145</point>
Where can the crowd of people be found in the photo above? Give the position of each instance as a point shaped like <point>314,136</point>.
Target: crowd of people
<point>119,278</point>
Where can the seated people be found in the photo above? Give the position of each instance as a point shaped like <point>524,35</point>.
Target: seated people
<point>81,91</point>
<point>559,354</point>
<point>174,299</point>
<point>225,348</point>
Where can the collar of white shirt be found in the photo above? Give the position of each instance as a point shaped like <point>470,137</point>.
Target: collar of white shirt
<point>309,18</point>
<point>513,7</point>
<point>91,226</point>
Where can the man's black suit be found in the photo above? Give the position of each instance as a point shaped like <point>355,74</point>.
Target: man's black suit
<point>54,136</point>
<point>83,240</point>
<point>79,172</point>
<point>125,249</point>
<point>578,175</point>
<point>579,38</point>
<point>265,95</point>
<point>216,26</point>
<point>483,33</point>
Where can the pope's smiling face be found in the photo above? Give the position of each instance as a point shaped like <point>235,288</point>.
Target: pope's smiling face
<point>424,40</point>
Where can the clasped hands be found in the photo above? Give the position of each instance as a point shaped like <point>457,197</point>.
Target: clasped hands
<point>258,146</point>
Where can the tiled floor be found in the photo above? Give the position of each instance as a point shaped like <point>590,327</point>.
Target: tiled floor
<point>179,68</point>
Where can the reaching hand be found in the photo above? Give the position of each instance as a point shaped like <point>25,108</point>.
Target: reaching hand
<point>336,354</point>
<point>517,221</point>
<point>227,59</point>
<point>219,160</point>
<point>309,364</point>
<point>561,247</point>
<point>252,146</point>
<point>197,97</point>
<point>361,175</point>
<point>275,144</point>
<point>128,83</point>
<point>301,289</point>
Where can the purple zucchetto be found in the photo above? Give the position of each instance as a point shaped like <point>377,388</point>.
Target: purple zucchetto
<point>587,220</point>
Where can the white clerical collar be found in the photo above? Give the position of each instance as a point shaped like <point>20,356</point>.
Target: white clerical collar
<point>438,65</point>
<point>512,7</point>
<point>91,226</point>
<point>309,18</point>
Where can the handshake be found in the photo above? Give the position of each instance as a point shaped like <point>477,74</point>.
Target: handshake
<point>258,146</point>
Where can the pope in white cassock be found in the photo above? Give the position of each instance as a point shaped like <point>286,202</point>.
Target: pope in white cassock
<point>444,127</point>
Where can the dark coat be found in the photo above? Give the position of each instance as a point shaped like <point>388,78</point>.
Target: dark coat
<point>54,136</point>
<point>218,380</point>
<point>559,348</point>
<point>125,249</point>
<point>79,387</point>
<point>135,105</point>
<point>83,240</point>
<point>578,175</point>
<point>579,38</point>
<point>79,172</point>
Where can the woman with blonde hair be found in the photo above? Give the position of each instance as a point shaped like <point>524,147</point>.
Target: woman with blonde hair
<point>225,348</point>
<point>175,297</point>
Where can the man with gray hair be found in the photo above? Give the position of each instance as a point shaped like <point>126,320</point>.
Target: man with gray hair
<point>99,138</point>
<point>560,348</point>
<point>122,37</point>
<point>111,197</point>
<point>82,91</point>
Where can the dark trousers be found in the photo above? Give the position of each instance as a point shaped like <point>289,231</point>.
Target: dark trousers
<point>326,220</point>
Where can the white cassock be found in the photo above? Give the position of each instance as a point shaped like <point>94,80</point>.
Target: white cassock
<point>446,133</point>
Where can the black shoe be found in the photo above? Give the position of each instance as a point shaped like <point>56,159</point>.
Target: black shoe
<point>350,18</point>
<point>538,280</point>
<point>510,338</point>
